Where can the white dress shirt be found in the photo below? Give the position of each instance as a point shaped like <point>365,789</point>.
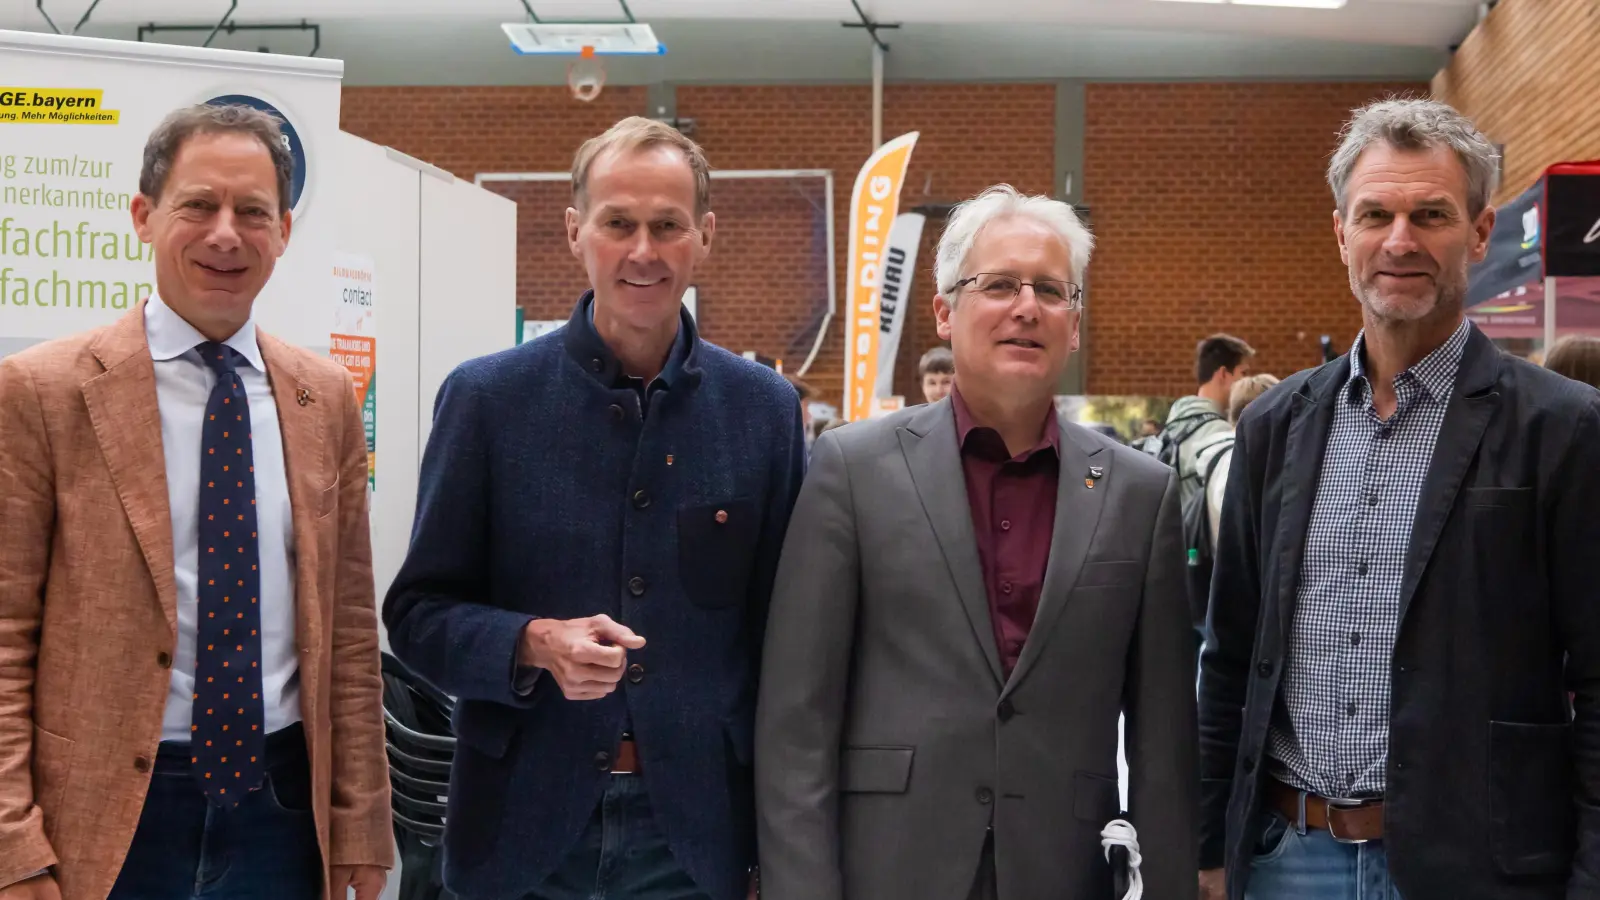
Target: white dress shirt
<point>183,387</point>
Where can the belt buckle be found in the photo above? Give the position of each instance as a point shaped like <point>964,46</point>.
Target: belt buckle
<point>1331,804</point>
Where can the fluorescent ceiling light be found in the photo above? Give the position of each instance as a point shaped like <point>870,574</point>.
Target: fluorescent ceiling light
<point>1297,4</point>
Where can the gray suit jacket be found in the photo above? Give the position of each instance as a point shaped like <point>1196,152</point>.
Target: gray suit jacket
<point>887,741</point>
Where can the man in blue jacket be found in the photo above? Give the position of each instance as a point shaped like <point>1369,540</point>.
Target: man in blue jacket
<point>598,528</point>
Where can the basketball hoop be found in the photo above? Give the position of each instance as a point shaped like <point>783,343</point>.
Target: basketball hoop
<point>586,76</point>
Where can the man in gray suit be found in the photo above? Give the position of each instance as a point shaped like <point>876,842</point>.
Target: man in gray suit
<point>969,595</point>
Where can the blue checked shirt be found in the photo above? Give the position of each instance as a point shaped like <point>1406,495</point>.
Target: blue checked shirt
<point>1330,733</point>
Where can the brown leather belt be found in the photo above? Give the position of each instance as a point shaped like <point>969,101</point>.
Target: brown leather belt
<point>626,758</point>
<point>1347,821</point>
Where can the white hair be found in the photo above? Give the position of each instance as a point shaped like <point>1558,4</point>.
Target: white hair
<point>1412,124</point>
<point>971,217</point>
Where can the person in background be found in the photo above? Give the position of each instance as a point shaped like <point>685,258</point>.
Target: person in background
<point>1214,456</point>
<point>1220,360</point>
<point>1400,688</point>
<point>1149,428</point>
<point>805,392</point>
<point>598,526</point>
<point>189,668</point>
<point>1576,356</point>
<point>937,372</point>
<point>971,592</point>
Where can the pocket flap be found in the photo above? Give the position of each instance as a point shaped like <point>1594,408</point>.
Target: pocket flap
<point>876,770</point>
<point>1095,798</point>
<point>484,727</point>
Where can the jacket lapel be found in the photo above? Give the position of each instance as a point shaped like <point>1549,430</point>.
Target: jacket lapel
<point>301,423</point>
<point>932,454</point>
<point>1077,518</point>
<point>1472,403</point>
<point>1310,419</point>
<point>126,417</point>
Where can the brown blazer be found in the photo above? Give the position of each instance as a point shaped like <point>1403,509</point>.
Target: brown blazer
<point>88,603</point>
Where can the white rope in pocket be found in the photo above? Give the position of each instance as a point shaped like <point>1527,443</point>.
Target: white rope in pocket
<point>1120,833</point>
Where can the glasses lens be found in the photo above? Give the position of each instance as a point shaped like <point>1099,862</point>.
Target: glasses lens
<point>997,287</point>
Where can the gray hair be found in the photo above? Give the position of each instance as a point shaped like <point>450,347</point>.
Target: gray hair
<point>970,217</point>
<point>161,148</point>
<point>1412,124</point>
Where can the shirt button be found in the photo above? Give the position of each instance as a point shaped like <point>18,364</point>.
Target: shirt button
<point>635,673</point>
<point>636,586</point>
<point>1005,524</point>
<point>164,660</point>
<point>640,499</point>
<point>985,796</point>
<point>1355,639</point>
<point>1005,587</point>
<point>1362,570</point>
<point>1372,499</point>
<point>602,761</point>
<point>141,764</point>
<point>1351,709</point>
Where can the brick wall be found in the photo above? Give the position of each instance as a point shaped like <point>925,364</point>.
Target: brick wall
<point>763,287</point>
<point>1208,201</point>
<point>1526,76</point>
<point>1212,214</point>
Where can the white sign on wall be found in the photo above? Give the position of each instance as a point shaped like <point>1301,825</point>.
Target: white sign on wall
<point>353,343</point>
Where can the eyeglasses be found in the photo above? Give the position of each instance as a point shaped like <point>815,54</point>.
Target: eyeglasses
<point>1004,288</point>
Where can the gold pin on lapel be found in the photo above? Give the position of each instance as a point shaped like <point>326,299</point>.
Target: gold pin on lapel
<point>669,459</point>
<point>305,397</point>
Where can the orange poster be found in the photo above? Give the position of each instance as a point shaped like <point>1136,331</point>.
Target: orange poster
<point>353,343</point>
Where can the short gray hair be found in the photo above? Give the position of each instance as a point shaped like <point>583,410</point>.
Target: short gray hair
<point>1414,124</point>
<point>161,148</point>
<point>970,217</point>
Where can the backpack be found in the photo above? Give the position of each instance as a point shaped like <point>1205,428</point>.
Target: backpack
<point>1197,539</point>
<point>1165,444</point>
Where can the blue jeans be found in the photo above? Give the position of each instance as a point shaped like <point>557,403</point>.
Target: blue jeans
<point>263,849</point>
<point>622,855</point>
<point>1296,863</point>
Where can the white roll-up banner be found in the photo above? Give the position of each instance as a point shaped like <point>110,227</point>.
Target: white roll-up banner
<point>74,116</point>
<point>899,264</point>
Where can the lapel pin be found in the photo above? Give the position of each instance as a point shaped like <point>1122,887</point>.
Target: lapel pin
<point>305,397</point>
<point>1095,473</point>
<point>669,459</point>
<point>722,517</point>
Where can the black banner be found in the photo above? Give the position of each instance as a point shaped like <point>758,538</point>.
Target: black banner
<point>1513,258</point>
<point>1572,220</point>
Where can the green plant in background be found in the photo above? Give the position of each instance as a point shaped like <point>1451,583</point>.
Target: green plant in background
<point>1125,413</point>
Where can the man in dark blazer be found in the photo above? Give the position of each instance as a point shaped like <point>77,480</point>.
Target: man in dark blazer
<point>598,529</point>
<point>1404,590</point>
<point>971,592</point>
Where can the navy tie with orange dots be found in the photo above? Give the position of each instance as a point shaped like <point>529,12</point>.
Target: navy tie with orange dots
<point>227,733</point>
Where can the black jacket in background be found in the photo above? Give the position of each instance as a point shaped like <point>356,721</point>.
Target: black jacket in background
<point>1493,788</point>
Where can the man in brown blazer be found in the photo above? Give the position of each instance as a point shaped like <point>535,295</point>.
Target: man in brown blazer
<point>189,678</point>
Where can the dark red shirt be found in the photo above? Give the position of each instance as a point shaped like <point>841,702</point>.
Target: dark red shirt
<point>1013,500</point>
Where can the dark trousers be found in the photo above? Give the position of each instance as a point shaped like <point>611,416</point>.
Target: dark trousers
<point>263,849</point>
<point>622,855</point>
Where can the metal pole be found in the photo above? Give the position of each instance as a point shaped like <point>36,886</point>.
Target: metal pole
<point>877,95</point>
<point>1549,313</point>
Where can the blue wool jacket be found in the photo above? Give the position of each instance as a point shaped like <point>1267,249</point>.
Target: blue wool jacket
<point>548,492</point>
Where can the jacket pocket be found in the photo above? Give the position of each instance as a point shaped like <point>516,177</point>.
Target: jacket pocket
<point>1532,819</point>
<point>1095,798</point>
<point>716,550</point>
<point>876,770</point>
<point>478,781</point>
<point>327,499</point>
<point>52,767</point>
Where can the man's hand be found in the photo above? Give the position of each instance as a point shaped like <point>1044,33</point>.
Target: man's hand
<point>1213,884</point>
<point>42,887</point>
<point>585,656</point>
<point>367,881</point>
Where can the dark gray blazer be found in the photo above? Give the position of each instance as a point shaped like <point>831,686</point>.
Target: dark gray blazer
<point>887,742</point>
<point>1493,789</point>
